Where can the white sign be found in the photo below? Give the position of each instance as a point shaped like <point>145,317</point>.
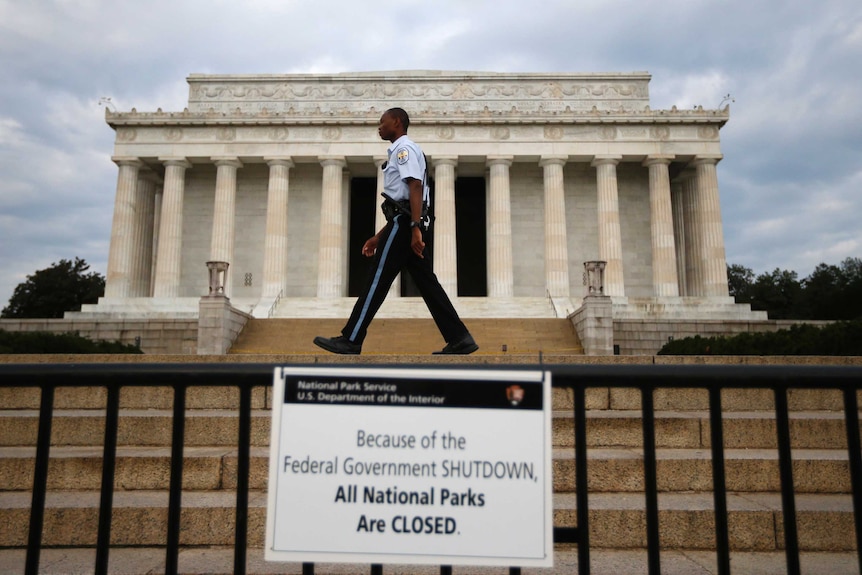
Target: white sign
<point>427,466</point>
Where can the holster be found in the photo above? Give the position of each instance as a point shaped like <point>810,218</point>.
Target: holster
<point>392,208</point>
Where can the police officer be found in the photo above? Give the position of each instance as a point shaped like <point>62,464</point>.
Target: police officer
<point>400,245</point>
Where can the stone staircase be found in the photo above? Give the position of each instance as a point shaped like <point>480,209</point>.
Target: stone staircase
<point>617,515</point>
<point>395,336</point>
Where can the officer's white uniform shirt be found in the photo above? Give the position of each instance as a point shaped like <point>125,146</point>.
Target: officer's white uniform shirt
<point>405,161</point>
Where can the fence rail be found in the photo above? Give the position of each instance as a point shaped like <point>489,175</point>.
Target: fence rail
<point>578,378</point>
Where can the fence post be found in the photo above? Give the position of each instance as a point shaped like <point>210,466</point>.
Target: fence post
<point>40,481</point>
<point>109,464</point>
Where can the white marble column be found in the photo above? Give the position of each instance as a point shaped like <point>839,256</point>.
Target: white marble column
<point>169,259</point>
<point>275,240</point>
<point>331,254</point>
<point>157,226</point>
<point>144,224</point>
<point>711,253</point>
<point>678,209</point>
<point>693,271</point>
<point>121,254</point>
<point>664,275</point>
<point>445,241</point>
<point>610,234</point>
<point>380,219</point>
<point>556,243</point>
<point>224,215</point>
<point>500,276</point>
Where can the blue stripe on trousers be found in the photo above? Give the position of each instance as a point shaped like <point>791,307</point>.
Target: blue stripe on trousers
<point>380,265</point>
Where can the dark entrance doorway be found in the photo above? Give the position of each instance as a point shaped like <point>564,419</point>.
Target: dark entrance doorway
<point>470,230</point>
<point>363,203</point>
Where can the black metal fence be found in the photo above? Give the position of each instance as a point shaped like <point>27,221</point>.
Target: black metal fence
<point>646,378</point>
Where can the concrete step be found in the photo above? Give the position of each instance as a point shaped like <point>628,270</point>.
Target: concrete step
<point>469,308</point>
<point>609,470</point>
<point>410,336</point>
<point>605,428</point>
<point>691,429</point>
<point>219,561</point>
<point>617,520</point>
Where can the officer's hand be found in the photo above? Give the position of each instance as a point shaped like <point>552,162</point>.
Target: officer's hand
<point>416,243</point>
<point>370,247</point>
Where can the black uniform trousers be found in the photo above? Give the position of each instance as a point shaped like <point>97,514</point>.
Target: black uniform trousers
<point>393,255</point>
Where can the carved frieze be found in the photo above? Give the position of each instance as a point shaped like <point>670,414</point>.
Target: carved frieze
<point>503,109</point>
<point>367,95</point>
<point>660,133</point>
<point>349,134</point>
<point>226,134</point>
<point>707,132</point>
<point>332,133</point>
<point>277,134</point>
<point>445,132</point>
<point>608,133</point>
<point>553,133</point>
<point>500,133</point>
<point>126,134</point>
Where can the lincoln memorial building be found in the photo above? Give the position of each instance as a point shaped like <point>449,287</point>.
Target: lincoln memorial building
<point>279,176</point>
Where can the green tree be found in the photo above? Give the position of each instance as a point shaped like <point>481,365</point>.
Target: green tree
<point>51,292</point>
<point>740,281</point>
<point>851,268</point>
<point>778,293</point>
<point>823,293</point>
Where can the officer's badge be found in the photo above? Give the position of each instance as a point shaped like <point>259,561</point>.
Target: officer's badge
<point>403,155</point>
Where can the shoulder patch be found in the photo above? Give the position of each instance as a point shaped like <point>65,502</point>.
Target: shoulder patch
<point>402,155</point>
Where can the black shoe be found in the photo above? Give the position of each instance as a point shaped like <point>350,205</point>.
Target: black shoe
<point>463,347</point>
<point>338,344</point>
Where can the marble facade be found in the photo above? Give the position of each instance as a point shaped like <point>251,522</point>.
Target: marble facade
<point>260,171</point>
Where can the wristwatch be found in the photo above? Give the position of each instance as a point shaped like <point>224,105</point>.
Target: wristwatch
<point>415,223</point>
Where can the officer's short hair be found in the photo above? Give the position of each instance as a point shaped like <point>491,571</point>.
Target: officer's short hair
<point>401,115</point>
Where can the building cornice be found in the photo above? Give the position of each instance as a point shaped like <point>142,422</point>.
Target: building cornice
<point>266,118</point>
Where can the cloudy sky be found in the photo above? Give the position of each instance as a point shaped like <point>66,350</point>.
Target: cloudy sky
<point>791,180</point>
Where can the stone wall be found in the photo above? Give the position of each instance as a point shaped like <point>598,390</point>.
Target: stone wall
<point>646,337</point>
<point>157,336</point>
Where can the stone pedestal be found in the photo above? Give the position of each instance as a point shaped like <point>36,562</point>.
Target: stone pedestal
<point>594,323</point>
<point>219,324</point>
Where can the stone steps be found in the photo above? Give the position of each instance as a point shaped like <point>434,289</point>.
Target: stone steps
<point>402,335</point>
<point>617,520</point>
<point>605,428</point>
<point>469,308</point>
<point>609,470</point>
